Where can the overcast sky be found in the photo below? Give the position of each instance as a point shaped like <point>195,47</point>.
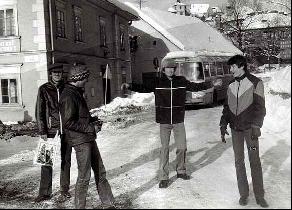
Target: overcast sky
<point>165,4</point>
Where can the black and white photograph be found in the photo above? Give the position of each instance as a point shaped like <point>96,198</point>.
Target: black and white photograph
<point>145,104</point>
<point>45,153</point>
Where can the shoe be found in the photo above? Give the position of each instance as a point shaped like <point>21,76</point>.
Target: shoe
<point>109,207</point>
<point>243,201</point>
<point>183,176</point>
<point>262,202</point>
<point>163,184</point>
<point>64,196</point>
<point>42,198</point>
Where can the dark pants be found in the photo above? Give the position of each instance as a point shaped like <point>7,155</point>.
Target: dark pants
<point>47,172</point>
<point>181,145</point>
<point>238,138</point>
<point>88,157</point>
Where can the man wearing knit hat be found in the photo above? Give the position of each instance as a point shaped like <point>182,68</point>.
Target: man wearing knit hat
<point>80,132</point>
<point>48,120</point>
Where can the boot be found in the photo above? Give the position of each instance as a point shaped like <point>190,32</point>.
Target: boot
<point>243,201</point>
<point>262,202</point>
<point>163,184</point>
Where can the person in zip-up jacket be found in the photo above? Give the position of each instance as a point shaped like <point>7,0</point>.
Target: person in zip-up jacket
<point>170,94</point>
<point>48,121</point>
<point>244,110</point>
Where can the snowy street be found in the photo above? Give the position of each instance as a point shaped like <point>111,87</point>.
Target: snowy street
<point>129,144</point>
<point>131,156</point>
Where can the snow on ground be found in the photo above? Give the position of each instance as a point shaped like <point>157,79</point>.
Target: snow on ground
<point>131,157</point>
<point>278,118</point>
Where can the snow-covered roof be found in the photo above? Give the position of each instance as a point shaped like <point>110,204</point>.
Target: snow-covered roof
<point>171,9</point>
<point>267,20</point>
<point>179,4</point>
<point>192,54</point>
<point>199,8</point>
<point>216,9</point>
<point>124,7</point>
<point>187,33</point>
<point>155,25</point>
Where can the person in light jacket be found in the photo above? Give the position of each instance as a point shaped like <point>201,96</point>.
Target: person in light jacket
<point>244,111</point>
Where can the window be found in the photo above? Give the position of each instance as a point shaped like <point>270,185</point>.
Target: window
<point>77,24</point>
<point>8,91</point>
<point>7,22</point>
<point>122,38</point>
<point>212,69</point>
<point>206,70</point>
<point>61,24</point>
<point>102,32</point>
<point>124,74</point>
<point>226,68</point>
<point>220,69</point>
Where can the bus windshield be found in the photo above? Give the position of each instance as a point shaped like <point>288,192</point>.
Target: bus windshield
<point>192,71</point>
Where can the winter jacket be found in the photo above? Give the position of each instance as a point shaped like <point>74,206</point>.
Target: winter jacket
<point>76,119</point>
<point>47,109</point>
<point>245,103</point>
<point>170,98</point>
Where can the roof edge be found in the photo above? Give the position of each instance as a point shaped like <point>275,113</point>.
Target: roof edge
<point>157,27</point>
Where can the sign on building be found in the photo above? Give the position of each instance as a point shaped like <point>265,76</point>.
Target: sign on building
<point>9,45</point>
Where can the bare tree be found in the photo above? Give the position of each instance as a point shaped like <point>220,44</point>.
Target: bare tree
<point>238,16</point>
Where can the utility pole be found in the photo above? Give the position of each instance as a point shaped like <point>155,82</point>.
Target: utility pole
<point>140,3</point>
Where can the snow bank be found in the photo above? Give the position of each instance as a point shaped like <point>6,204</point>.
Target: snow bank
<point>10,123</point>
<point>281,81</point>
<point>136,100</point>
<point>278,117</point>
<point>122,112</point>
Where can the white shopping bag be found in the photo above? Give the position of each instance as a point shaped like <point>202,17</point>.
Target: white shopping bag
<point>47,151</point>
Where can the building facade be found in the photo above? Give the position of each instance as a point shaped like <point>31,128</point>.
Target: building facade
<point>37,33</point>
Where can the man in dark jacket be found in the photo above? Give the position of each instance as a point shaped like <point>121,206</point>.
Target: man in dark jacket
<point>48,120</point>
<point>80,132</point>
<point>244,110</point>
<point>170,94</point>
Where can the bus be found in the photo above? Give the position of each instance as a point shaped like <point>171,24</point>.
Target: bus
<point>200,68</point>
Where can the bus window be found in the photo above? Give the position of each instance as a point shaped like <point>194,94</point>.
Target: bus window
<point>219,69</point>
<point>212,69</point>
<point>206,70</point>
<point>192,71</point>
<point>226,69</point>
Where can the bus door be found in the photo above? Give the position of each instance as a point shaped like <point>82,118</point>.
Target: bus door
<point>219,91</point>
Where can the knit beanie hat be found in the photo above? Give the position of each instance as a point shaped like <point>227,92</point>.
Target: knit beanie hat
<point>78,73</point>
<point>168,63</point>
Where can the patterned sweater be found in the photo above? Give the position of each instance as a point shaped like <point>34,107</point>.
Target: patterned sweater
<point>245,103</point>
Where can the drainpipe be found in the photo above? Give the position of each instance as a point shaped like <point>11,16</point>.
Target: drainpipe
<point>51,32</point>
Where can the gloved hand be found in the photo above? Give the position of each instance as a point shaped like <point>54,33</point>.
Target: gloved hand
<point>44,137</point>
<point>98,125</point>
<point>255,132</point>
<point>224,131</point>
<point>125,86</point>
